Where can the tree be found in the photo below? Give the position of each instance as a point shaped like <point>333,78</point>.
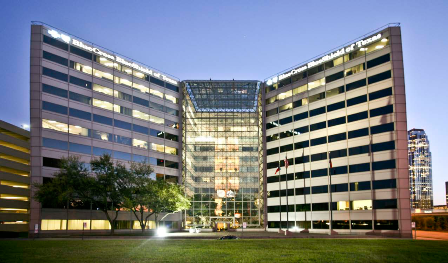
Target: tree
<point>139,191</point>
<point>171,199</point>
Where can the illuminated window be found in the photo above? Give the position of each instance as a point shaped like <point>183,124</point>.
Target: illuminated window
<point>140,115</point>
<point>171,98</point>
<point>156,93</point>
<point>14,197</point>
<point>361,205</point>
<point>103,104</point>
<point>170,150</point>
<point>355,69</point>
<point>123,81</point>
<point>54,125</point>
<point>139,144</point>
<point>284,95</point>
<point>140,87</point>
<point>316,83</point>
<point>299,89</point>
<point>102,75</point>
<point>156,120</point>
<point>80,67</point>
<point>102,89</point>
<point>157,147</point>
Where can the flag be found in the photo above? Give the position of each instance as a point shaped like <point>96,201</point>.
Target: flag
<point>286,162</point>
<point>278,170</point>
<point>331,164</point>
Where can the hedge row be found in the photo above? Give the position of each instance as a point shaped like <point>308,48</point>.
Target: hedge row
<point>431,222</point>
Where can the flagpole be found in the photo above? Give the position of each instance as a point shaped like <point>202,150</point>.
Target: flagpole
<point>287,198</point>
<point>304,187</point>
<point>280,192</point>
<point>331,201</point>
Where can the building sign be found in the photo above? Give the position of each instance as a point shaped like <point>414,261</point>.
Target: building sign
<point>357,45</point>
<point>118,59</point>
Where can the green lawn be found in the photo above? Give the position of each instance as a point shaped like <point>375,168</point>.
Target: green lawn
<point>261,250</point>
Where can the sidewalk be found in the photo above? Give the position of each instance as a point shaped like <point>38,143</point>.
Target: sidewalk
<point>430,235</point>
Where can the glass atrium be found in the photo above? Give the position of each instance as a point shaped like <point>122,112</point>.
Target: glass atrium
<point>222,153</point>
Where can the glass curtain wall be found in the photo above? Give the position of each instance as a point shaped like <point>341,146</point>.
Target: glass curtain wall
<point>221,155</point>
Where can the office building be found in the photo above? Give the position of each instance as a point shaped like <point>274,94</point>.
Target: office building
<point>420,170</point>
<point>446,193</point>
<point>225,139</point>
<point>14,180</point>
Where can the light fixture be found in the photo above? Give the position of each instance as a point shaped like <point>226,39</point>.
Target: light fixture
<point>384,40</point>
<point>362,49</point>
<point>161,231</point>
<point>379,47</point>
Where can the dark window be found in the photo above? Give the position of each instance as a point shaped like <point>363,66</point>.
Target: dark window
<point>271,138</point>
<point>381,165</point>
<point>358,150</point>
<point>301,145</point>
<point>271,112</point>
<point>357,168</point>
<point>140,101</point>
<point>124,110</point>
<point>81,114</point>
<point>157,133</point>
<point>302,159</point>
<point>338,153</point>
<point>80,82</point>
<point>272,151</point>
<point>285,134</point>
<point>360,186</point>
<point>54,74</point>
<point>322,224</point>
<point>379,77</point>
<point>81,52</point>
<point>55,58</point>
<point>104,136</point>
<point>54,107</point>
<point>101,151</point>
<point>157,81</point>
<point>360,224</point>
<point>381,111</point>
<point>380,94</point>
<point>319,173</point>
<point>356,100</point>
<point>378,61</point>
<point>335,188</point>
<point>383,146</point>
<point>286,148</point>
<point>301,130</point>
<point>384,184</point>
<point>123,96</point>
<point>51,162</point>
<point>384,204</point>
<point>337,121</point>
<point>341,224</point>
<point>172,87</point>
<point>337,137</point>
<point>318,141</point>
<point>339,170</point>
<point>171,111</point>
<point>357,116</point>
<point>171,137</point>
<point>297,103</point>
<point>290,161</point>
<point>271,125</point>
<point>284,82</point>
<point>320,207</point>
<point>303,191</point>
<point>55,43</point>
<point>336,106</point>
<point>270,88</point>
<point>102,119</point>
<point>122,155</point>
<point>80,98</point>
<point>272,165</point>
<point>321,189</point>
<point>80,148</point>
<point>318,126</point>
<point>122,124</point>
<point>140,129</point>
<point>334,77</point>
<point>122,139</point>
<point>318,157</point>
<point>317,111</point>
<point>315,70</point>
<point>301,116</point>
<point>386,224</point>
<point>382,128</point>
<point>301,175</point>
<point>299,76</point>
<point>160,162</point>
<point>55,144</point>
<point>355,85</point>
<point>55,91</point>
<point>358,133</point>
<point>285,120</point>
<point>171,164</point>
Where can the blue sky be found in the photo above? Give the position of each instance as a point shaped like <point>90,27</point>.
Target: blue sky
<point>238,40</point>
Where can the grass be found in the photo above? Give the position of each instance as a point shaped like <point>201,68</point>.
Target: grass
<point>258,250</point>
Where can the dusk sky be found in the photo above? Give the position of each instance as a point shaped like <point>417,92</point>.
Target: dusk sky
<point>239,40</point>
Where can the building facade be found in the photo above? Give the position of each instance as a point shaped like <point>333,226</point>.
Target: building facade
<point>446,193</point>
<point>224,140</point>
<point>87,101</point>
<point>420,170</point>
<point>14,179</point>
<point>340,120</point>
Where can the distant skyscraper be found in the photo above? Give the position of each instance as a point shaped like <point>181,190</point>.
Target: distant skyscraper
<point>446,192</point>
<point>420,169</point>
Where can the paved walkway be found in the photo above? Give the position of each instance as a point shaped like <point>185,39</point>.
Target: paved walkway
<point>430,235</point>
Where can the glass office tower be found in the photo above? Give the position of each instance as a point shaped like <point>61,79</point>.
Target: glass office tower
<point>420,170</point>
<point>221,160</point>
